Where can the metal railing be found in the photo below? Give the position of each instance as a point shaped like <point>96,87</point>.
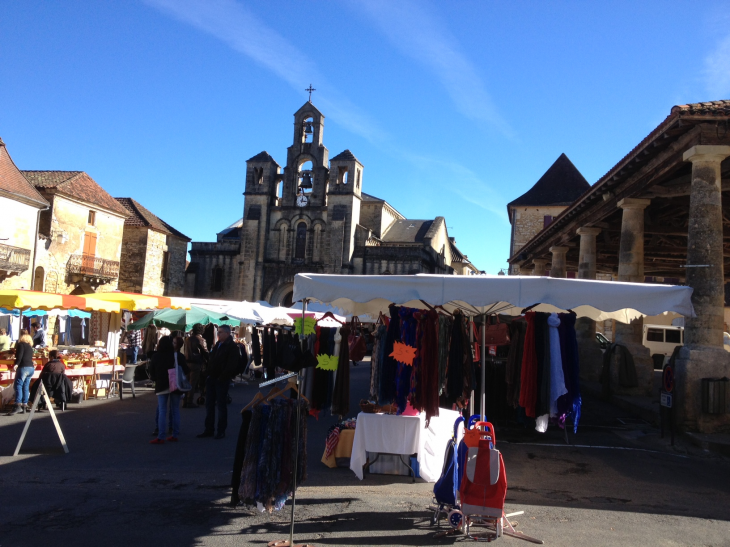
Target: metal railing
<point>93,266</point>
<point>14,259</point>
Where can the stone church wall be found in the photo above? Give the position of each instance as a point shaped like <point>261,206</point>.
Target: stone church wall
<point>18,227</point>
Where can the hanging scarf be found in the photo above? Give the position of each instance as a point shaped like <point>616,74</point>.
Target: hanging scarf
<point>390,365</point>
<point>528,377</point>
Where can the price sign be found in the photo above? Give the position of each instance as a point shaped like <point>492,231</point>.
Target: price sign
<point>493,350</point>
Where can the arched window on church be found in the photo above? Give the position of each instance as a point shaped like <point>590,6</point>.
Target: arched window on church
<point>305,177</point>
<point>308,130</point>
<point>301,246</point>
<point>216,284</point>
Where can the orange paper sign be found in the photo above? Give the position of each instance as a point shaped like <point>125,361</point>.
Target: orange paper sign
<point>403,353</point>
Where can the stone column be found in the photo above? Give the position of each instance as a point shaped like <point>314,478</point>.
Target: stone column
<point>587,252</point>
<point>558,267</point>
<point>631,269</point>
<point>590,355</point>
<point>539,269</point>
<point>703,355</point>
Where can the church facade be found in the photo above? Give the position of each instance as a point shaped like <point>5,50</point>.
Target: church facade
<point>312,216</point>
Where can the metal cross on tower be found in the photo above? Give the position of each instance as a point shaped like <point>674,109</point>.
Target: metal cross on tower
<point>310,89</point>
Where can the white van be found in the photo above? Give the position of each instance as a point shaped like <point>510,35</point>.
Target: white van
<point>661,340</point>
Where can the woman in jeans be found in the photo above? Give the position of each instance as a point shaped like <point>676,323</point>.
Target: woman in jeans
<point>163,361</point>
<point>23,372</point>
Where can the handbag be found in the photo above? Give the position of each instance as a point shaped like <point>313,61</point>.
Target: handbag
<point>496,334</point>
<point>178,380</point>
<point>356,341</point>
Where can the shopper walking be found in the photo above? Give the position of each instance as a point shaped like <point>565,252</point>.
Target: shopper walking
<point>198,356</point>
<point>39,336</point>
<point>163,361</point>
<point>23,372</point>
<point>222,368</point>
<point>134,342</point>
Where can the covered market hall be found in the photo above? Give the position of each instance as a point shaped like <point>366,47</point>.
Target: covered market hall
<point>657,216</point>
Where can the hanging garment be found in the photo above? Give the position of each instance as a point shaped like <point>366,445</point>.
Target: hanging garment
<point>375,363</point>
<point>404,385</point>
<point>428,388</point>
<point>444,337</point>
<point>570,405</point>
<point>528,376</point>
<point>240,456</point>
<point>256,343</point>
<point>390,365</point>
<point>455,371</point>
<point>341,394</point>
<point>514,361</point>
<point>320,384</point>
<point>542,350</point>
<point>557,380</point>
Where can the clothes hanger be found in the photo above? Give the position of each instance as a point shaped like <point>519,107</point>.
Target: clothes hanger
<point>259,397</point>
<point>330,315</point>
<point>291,384</point>
<point>528,308</point>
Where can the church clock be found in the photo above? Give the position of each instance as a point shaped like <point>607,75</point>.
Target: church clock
<point>302,200</point>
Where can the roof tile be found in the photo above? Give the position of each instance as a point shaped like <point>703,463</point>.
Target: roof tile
<point>13,181</point>
<point>140,216</point>
<point>76,184</point>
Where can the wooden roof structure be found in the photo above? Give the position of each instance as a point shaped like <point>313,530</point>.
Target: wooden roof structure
<point>654,170</point>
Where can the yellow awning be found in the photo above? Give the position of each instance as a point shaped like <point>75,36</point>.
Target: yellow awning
<point>133,301</point>
<point>21,299</point>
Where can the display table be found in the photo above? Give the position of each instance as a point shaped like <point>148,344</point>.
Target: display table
<point>342,450</point>
<point>404,435</point>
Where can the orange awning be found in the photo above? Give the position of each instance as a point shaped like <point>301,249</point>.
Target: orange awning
<point>133,301</point>
<point>21,299</point>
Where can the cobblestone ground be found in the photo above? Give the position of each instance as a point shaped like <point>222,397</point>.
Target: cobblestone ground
<point>616,484</point>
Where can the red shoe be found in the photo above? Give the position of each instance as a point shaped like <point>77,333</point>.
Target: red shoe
<point>171,439</point>
<point>157,441</point>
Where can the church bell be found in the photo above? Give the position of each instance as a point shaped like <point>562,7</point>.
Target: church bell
<point>308,128</point>
<point>306,182</point>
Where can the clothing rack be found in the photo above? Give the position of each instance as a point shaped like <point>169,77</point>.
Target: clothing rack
<point>290,541</point>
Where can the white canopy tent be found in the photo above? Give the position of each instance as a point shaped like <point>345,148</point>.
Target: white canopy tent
<point>480,295</point>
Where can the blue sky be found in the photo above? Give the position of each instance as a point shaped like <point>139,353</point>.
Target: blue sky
<point>454,108</point>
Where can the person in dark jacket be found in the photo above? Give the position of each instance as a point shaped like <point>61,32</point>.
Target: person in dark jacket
<point>222,368</point>
<point>53,376</point>
<point>198,356</point>
<point>164,360</point>
<point>24,370</point>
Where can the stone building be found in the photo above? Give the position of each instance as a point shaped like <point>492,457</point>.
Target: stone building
<point>530,213</point>
<point>658,215</point>
<point>80,234</point>
<point>153,253</point>
<point>21,204</point>
<point>313,216</point>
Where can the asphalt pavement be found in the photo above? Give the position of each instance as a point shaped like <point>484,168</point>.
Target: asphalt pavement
<point>617,483</point>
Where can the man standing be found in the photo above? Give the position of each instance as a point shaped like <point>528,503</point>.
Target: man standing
<point>39,336</point>
<point>222,368</point>
<point>134,342</point>
<point>198,355</point>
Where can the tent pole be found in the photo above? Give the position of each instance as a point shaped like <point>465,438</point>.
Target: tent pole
<point>484,372</point>
<point>471,341</point>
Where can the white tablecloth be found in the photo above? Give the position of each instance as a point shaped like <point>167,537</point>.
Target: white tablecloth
<point>403,435</point>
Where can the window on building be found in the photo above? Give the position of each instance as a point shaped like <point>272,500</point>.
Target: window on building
<point>92,218</point>
<point>39,278</point>
<point>165,266</point>
<point>301,246</point>
<point>546,221</point>
<point>217,279</point>
<point>655,335</point>
<point>342,175</point>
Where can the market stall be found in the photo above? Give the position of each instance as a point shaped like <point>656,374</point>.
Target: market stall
<point>411,303</point>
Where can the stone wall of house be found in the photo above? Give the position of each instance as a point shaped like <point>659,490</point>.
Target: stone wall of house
<point>156,248</point>
<point>178,249</point>
<point>18,230</point>
<point>65,226</point>
<point>207,257</point>
<point>133,258</point>
<point>528,222</point>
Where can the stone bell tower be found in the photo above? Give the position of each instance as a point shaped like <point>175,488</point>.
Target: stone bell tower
<point>306,159</point>
<point>343,205</point>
